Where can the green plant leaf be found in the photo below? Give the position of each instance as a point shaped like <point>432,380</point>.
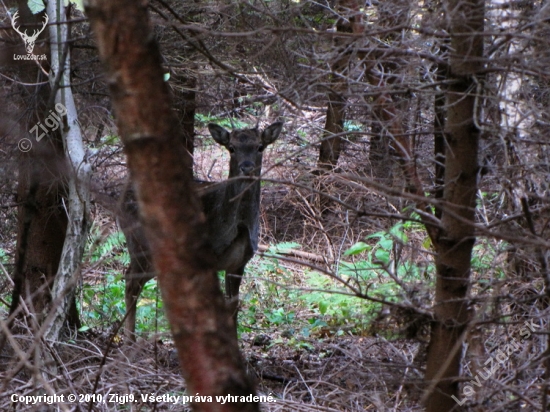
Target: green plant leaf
<point>317,323</point>
<point>386,243</point>
<point>397,232</point>
<point>382,255</point>
<point>284,247</point>
<point>356,249</point>
<point>427,244</point>
<point>36,6</point>
<point>376,235</point>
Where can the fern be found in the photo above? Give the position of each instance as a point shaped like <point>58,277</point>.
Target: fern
<point>109,249</point>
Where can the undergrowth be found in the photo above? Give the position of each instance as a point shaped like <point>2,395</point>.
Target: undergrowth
<point>282,299</point>
<point>102,303</point>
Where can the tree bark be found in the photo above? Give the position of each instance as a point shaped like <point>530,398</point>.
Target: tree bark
<point>185,103</point>
<point>456,237</point>
<point>331,144</point>
<point>161,169</point>
<point>64,286</point>
<point>439,133</point>
<point>42,220</point>
<point>387,113</point>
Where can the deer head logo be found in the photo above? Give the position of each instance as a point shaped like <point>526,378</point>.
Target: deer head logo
<point>29,40</point>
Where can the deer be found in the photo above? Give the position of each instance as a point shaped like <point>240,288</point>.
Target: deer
<point>232,210</point>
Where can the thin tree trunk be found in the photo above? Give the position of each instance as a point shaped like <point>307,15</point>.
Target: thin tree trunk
<point>331,145</point>
<point>161,168</point>
<point>387,113</point>
<point>63,291</point>
<point>457,237</point>
<point>439,134</point>
<point>332,139</point>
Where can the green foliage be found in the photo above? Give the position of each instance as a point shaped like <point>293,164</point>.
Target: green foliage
<point>265,292</point>
<point>313,18</point>
<point>293,342</point>
<point>485,198</point>
<point>256,108</point>
<point>351,126</point>
<point>36,6</point>
<point>4,258</point>
<point>103,303</point>
<point>371,270</point>
<point>6,297</point>
<point>279,316</point>
<point>108,249</point>
<point>303,137</point>
<point>284,247</point>
<point>484,256</point>
<point>331,304</point>
<point>357,248</point>
<point>150,316</point>
<point>323,302</point>
<point>110,140</point>
<point>319,303</point>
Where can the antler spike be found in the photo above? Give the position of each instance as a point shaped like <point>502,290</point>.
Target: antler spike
<point>13,20</point>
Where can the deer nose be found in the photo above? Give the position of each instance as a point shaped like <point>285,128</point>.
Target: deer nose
<point>247,167</point>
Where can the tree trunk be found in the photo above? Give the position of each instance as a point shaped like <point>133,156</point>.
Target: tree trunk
<point>439,133</point>
<point>331,144</point>
<point>333,132</point>
<point>161,168</point>
<point>457,237</point>
<point>64,286</point>
<point>184,101</point>
<point>393,17</point>
<point>42,220</point>
<point>42,225</point>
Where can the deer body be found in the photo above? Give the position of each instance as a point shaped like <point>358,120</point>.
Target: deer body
<point>232,210</point>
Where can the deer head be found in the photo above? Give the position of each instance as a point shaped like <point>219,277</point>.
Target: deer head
<point>29,40</point>
<point>245,147</point>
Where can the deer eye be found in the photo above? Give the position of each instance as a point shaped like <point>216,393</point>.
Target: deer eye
<point>261,148</point>
<point>231,149</point>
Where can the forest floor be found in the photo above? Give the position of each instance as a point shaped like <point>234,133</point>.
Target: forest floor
<point>348,373</point>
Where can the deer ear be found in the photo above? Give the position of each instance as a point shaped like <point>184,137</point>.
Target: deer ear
<point>219,134</point>
<point>272,132</point>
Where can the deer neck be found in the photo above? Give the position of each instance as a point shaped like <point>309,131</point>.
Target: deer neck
<point>243,191</point>
<point>244,198</point>
<point>237,184</point>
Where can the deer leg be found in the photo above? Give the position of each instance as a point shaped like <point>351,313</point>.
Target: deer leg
<point>136,277</point>
<point>232,285</point>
